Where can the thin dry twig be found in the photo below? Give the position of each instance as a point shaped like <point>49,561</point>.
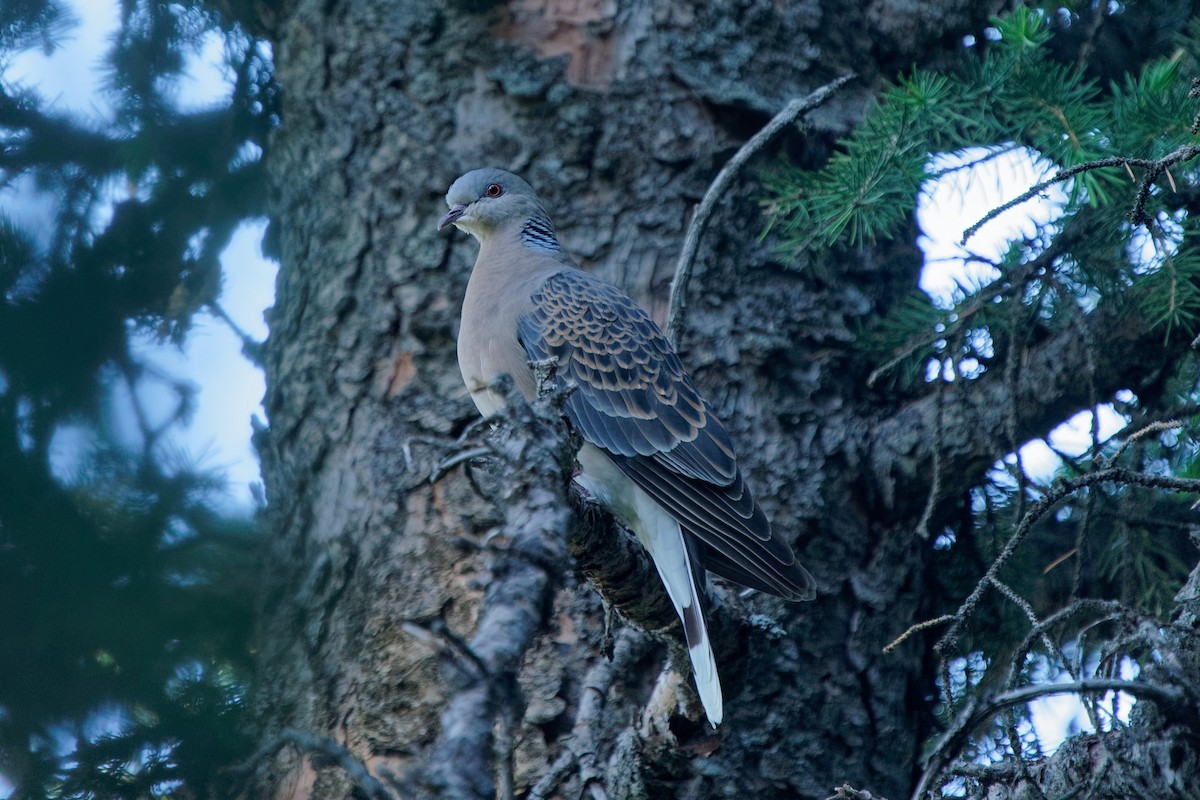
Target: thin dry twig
<point>1012,284</point>
<point>1179,412</point>
<point>306,742</point>
<point>543,375</point>
<point>1154,168</point>
<point>470,454</point>
<point>251,347</point>
<point>1052,648</point>
<point>1038,510</point>
<point>447,644</point>
<point>1027,609</point>
<point>1108,609</point>
<point>974,714</point>
<point>920,626</point>
<point>1147,430</point>
<point>1193,94</point>
<point>935,485</point>
<point>720,184</point>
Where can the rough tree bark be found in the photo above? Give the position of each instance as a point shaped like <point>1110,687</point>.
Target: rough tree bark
<point>619,113</point>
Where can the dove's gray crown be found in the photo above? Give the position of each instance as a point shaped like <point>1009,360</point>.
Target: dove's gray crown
<point>473,185</point>
<point>480,212</point>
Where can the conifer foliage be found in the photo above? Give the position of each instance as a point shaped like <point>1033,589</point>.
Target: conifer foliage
<point>123,640</point>
<point>1042,578</point>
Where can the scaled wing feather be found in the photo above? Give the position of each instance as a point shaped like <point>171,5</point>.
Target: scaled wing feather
<point>634,400</point>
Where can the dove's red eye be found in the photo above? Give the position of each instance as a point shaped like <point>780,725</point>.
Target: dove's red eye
<point>494,190</point>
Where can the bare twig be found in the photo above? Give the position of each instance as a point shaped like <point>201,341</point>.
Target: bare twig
<point>1023,604</point>
<point>442,639</point>
<point>322,745</point>
<point>1016,357</point>
<point>1109,610</point>
<point>470,454</point>
<point>1154,168</point>
<point>1038,510</point>
<point>1012,283</point>
<point>691,241</point>
<point>935,485</point>
<point>133,371</point>
<point>920,626</point>
<point>988,773</point>
<point>1091,34</point>
<point>1193,94</point>
<point>1017,745</point>
<point>1179,412</point>
<point>1052,648</point>
<point>1153,427</point>
<point>543,375</point>
<point>251,348</point>
<point>991,154</point>
<point>974,714</point>
<point>848,792</point>
<point>1077,321</point>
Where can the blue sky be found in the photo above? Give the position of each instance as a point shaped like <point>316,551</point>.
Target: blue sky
<point>230,388</point>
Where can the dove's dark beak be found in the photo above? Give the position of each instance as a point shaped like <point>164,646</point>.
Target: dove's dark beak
<point>451,216</point>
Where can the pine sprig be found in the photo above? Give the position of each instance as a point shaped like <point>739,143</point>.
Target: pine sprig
<point>1169,293</point>
<point>1012,94</point>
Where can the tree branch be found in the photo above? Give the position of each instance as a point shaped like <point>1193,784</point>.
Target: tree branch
<point>581,749</point>
<point>974,714</point>
<point>524,574</point>
<point>1051,386</point>
<point>621,570</point>
<point>1127,762</point>
<point>720,184</point>
<point>1038,510</point>
<point>324,746</point>
<point>1154,169</point>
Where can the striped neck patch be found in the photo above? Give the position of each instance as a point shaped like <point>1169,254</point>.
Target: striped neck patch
<point>538,234</point>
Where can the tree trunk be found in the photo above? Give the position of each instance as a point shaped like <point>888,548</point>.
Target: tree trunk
<point>619,114</point>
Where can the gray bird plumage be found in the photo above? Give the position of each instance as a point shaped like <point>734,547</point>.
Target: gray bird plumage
<point>654,452</point>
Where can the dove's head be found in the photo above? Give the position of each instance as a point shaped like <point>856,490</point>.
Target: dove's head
<point>488,200</point>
